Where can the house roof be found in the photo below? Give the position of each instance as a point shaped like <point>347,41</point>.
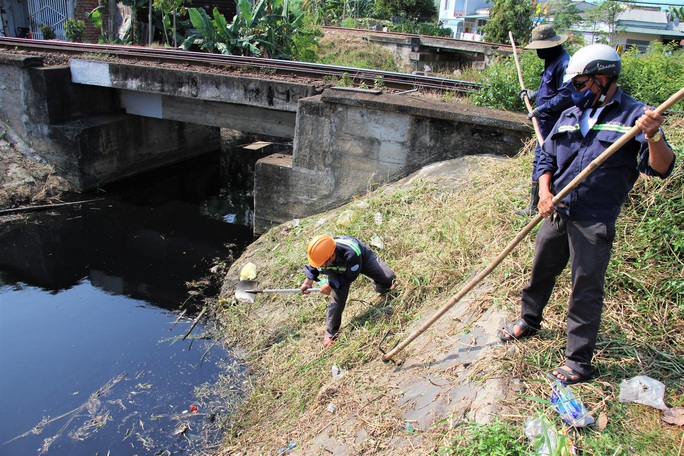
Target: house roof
<point>643,16</point>
<point>654,32</point>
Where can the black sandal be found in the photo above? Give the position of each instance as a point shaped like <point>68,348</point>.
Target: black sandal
<point>570,375</point>
<point>509,333</point>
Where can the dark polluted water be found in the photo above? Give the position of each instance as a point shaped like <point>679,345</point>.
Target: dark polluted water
<point>95,300</point>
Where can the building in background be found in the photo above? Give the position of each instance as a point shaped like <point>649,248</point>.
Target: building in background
<point>465,18</point>
<point>21,17</point>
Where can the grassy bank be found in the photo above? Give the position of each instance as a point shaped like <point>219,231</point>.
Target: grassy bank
<point>436,235</point>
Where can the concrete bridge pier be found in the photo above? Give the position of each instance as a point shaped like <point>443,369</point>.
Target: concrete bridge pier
<point>350,141</point>
<point>83,131</point>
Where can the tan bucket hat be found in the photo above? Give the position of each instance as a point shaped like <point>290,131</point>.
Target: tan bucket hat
<point>544,36</point>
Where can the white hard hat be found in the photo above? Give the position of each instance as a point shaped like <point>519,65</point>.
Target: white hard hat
<point>594,59</point>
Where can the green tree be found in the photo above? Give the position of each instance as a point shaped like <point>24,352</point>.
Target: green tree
<point>564,13</point>
<point>509,15</point>
<point>409,10</point>
<point>605,13</point>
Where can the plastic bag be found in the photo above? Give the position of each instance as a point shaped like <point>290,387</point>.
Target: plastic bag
<point>571,410</point>
<point>546,440</point>
<point>248,272</point>
<point>346,217</point>
<point>643,390</point>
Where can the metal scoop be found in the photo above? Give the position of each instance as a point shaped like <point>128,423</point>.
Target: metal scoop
<point>246,290</point>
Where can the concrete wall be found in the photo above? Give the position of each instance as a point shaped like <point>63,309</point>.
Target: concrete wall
<point>83,131</point>
<point>347,143</point>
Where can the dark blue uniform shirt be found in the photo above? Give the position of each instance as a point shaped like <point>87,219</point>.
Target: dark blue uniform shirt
<point>553,97</point>
<point>565,153</point>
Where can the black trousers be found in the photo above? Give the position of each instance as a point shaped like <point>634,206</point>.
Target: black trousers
<point>587,245</point>
<point>374,268</point>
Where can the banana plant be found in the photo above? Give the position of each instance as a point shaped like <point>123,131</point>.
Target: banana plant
<point>265,28</point>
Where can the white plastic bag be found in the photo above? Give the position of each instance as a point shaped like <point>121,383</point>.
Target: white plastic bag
<point>643,390</point>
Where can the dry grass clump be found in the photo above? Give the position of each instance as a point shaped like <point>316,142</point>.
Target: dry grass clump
<point>437,233</point>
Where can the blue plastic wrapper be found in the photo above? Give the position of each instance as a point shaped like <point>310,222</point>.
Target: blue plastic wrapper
<point>571,410</point>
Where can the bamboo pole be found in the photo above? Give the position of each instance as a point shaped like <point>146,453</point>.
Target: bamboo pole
<point>535,122</point>
<point>562,194</point>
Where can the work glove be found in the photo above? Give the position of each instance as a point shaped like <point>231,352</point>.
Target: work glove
<point>531,94</point>
<point>535,113</point>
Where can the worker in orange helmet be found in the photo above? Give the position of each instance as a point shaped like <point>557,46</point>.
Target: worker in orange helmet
<point>342,259</point>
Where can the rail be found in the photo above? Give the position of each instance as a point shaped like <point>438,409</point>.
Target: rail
<point>393,80</point>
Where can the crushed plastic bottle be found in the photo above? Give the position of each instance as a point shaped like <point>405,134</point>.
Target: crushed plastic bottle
<point>286,449</point>
<point>336,372</point>
<point>571,410</point>
<point>546,440</point>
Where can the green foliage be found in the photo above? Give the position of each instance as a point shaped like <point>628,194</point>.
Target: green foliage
<point>500,83</point>
<point>563,12</point>
<point>48,32</point>
<point>653,76</point>
<point>167,16</point>
<point>74,30</point>
<point>262,29</point>
<point>424,28</point>
<point>496,439</point>
<point>371,56</point>
<point>605,13</point>
<point>407,10</point>
<point>509,15</point>
<point>350,23</point>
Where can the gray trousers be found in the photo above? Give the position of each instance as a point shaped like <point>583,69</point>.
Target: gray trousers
<point>587,246</point>
<point>375,269</point>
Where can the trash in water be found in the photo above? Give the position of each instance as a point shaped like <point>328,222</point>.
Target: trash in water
<point>643,390</point>
<point>571,410</point>
<point>193,408</point>
<point>546,440</point>
<point>291,446</point>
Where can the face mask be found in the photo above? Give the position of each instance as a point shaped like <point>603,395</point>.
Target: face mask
<point>583,100</point>
<point>549,53</point>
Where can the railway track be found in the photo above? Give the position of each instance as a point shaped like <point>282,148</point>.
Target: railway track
<point>397,81</point>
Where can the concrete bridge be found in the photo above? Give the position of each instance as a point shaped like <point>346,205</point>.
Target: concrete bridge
<point>441,54</point>
<point>99,121</point>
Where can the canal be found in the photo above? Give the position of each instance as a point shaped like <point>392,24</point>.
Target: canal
<point>97,301</point>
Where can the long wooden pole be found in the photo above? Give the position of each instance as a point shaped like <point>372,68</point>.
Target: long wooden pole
<point>535,122</point>
<point>562,194</point>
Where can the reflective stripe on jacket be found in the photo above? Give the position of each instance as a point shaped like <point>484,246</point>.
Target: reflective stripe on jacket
<point>566,153</point>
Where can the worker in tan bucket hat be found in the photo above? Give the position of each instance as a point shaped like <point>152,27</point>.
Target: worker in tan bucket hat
<point>552,97</point>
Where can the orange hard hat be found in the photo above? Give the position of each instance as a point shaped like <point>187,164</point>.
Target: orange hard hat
<point>320,248</point>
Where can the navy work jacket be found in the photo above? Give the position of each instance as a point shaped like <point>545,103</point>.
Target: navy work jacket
<point>553,96</point>
<point>565,153</point>
<point>348,264</point>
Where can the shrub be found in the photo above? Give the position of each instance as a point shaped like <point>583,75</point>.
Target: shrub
<point>650,77</point>
<point>74,30</point>
<point>48,32</point>
<point>653,76</point>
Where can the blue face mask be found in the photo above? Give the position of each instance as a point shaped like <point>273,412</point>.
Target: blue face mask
<point>583,100</point>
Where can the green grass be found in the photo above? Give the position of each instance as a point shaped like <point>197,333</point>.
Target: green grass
<point>435,238</point>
